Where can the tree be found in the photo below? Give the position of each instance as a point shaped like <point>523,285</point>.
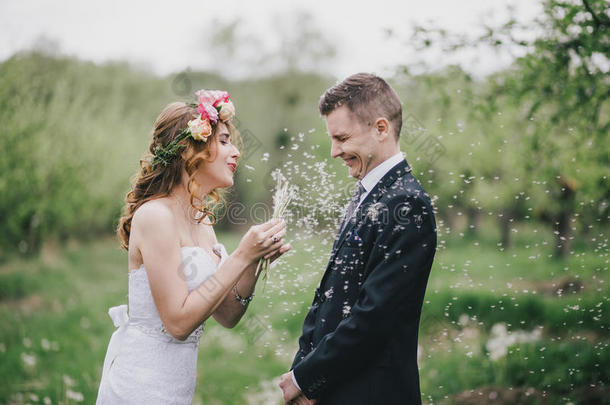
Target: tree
<point>560,83</point>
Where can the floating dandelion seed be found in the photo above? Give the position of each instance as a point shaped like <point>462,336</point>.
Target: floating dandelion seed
<point>315,211</point>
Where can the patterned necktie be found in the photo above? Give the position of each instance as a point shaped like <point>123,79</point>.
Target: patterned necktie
<point>353,204</point>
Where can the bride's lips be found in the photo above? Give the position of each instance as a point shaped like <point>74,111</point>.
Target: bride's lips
<point>232,166</point>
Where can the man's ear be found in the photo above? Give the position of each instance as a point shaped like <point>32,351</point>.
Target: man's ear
<point>382,129</point>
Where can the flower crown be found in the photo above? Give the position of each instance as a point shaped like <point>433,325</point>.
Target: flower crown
<point>211,105</point>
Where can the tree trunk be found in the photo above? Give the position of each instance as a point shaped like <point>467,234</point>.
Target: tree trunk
<point>563,229</point>
<point>473,216</point>
<point>504,221</point>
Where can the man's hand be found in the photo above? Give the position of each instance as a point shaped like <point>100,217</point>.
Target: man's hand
<point>288,388</point>
<point>303,400</point>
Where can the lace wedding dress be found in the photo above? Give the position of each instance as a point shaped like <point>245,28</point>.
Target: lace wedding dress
<point>144,364</point>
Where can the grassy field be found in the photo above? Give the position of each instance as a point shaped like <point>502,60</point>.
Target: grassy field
<point>515,325</point>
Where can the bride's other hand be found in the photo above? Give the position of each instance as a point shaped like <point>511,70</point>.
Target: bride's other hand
<point>262,239</point>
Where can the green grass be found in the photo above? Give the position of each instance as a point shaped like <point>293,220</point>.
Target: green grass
<point>55,324</point>
<point>556,370</point>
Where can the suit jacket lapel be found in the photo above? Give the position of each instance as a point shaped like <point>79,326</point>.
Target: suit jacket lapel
<point>376,193</point>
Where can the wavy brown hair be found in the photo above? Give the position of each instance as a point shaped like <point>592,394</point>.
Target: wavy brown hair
<point>158,181</point>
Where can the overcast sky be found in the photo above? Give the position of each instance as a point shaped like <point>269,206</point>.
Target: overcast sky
<point>173,35</point>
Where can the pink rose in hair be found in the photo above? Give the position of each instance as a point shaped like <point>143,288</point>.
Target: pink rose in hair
<point>204,97</point>
<point>209,112</point>
<point>220,97</point>
<point>213,97</point>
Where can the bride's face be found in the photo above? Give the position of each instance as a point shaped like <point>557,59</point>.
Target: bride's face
<point>218,172</point>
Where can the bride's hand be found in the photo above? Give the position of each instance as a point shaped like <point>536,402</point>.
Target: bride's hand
<point>263,239</point>
<point>274,255</point>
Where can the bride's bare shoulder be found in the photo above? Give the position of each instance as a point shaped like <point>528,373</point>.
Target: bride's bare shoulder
<point>153,214</point>
<point>152,228</point>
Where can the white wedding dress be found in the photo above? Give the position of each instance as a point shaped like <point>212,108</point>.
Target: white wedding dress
<point>144,364</point>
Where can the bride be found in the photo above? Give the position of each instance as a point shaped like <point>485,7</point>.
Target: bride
<point>180,275</point>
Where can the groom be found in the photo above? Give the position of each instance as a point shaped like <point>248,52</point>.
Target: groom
<point>359,340</point>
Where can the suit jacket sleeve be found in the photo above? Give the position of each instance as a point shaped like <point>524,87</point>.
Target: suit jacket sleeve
<point>306,335</point>
<point>393,292</point>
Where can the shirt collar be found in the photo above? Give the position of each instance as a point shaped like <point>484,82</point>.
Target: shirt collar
<point>372,178</point>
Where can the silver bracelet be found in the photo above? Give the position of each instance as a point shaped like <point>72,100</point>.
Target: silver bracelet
<point>243,301</point>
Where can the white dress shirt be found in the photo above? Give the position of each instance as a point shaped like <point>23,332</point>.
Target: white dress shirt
<point>369,181</point>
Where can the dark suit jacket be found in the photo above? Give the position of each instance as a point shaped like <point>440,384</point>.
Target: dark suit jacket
<point>359,340</point>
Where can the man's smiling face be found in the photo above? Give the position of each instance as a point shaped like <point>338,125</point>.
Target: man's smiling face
<point>352,141</point>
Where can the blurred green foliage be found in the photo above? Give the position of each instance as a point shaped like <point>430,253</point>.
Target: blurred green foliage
<point>71,137</point>
<point>526,144</point>
<point>74,133</point>
<point>538,131</point>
